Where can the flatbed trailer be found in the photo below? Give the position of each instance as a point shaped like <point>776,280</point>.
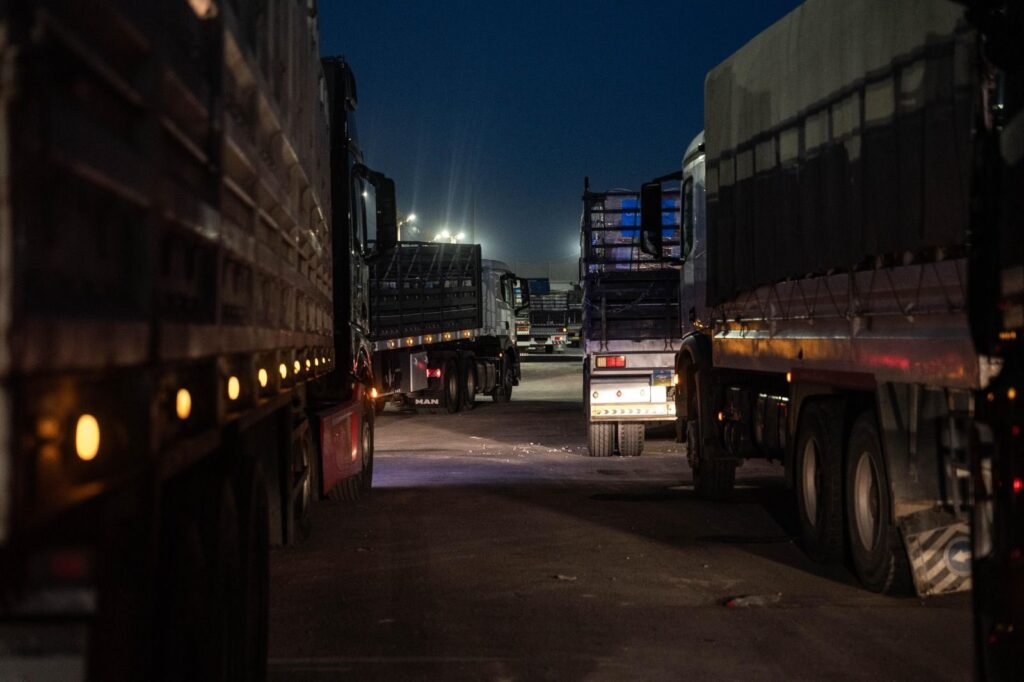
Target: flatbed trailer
<point>443,327</point>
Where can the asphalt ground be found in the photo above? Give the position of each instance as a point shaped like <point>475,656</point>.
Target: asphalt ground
<point>493,548</point>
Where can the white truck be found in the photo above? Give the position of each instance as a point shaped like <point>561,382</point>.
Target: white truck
<point>630,329</point>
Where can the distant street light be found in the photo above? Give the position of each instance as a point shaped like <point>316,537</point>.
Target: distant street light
<point>445,236</point>
<point>408,222</point>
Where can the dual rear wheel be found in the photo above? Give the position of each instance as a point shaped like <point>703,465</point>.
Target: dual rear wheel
<point>607,438</point>
<point>842,493</point>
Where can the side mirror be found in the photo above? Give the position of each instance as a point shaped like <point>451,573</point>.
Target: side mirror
<point>387,220</point>
<point>524,295</point>
<point>650,219</point>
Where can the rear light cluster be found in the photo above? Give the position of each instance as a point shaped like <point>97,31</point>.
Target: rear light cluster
<point>618,361</point>
<point>433,372</point>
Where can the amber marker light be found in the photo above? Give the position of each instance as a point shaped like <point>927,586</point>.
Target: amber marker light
<point>1011,393</point>
<point>308,364</point>
<point>283,370</point>
<point>373,393</point>
<point>234,388</point>
<point>262,377</point>
<point>789,377</point>
<point>297,367</point>
<point>87,437</point>
<point>316,362</point>
<point>183,403</point>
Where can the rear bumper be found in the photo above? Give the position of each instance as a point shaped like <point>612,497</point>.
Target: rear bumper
<point>640,412</point>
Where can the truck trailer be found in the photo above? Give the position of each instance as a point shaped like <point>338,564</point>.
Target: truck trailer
<point>630,319</point>
<point>181,370</point>
<point>549,317</point>
<point>825,307</point>
<point>443,326</point>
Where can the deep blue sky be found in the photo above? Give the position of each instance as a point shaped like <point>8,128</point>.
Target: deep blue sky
<point>508,105</point>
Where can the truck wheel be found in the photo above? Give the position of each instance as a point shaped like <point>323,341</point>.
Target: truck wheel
<point>221,627</point>
<point>469,385</point>
<point>452,399</point>
<point>631,440</point>
<point>254,578</point>
<point>712,479</point>
<point>503,392</point>
<point>818,476</point>
<point>301,481</point>
<point>601,441</point>
<point>366,476</point>
<point>876,550</point>
<point>347,490</point>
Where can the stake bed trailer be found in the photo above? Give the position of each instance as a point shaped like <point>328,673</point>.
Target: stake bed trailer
<point>174,390</point>
<point>548,315</point>
<point>443,326</point>
<point>630,321</point>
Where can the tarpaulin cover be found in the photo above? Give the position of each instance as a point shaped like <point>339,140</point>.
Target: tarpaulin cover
<point>838,136</point>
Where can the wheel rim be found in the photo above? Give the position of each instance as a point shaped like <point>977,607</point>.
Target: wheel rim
<point>809,475</point>
<point>866,501</point>
<point>470,385</point>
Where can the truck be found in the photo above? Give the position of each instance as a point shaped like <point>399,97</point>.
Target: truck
<point>182,370</point>
<point>825,326</point>
<point>630,329</point>
<point>443,326</point>
<point>549,317</point>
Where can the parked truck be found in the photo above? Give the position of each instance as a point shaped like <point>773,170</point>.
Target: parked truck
<point>443,326</point>
<point>824,283</point>
<point>549,317</point>
<point>630,319</point>
<point>182,368</point>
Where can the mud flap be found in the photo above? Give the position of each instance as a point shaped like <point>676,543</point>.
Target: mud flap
<point>940,553</point>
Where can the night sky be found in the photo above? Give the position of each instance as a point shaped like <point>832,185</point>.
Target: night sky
<point>507,106</point>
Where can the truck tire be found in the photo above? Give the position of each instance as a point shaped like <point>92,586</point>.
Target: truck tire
<point>366,476</point>
<point>712,479</point>
<point>818,462</point>
<point>469,384</point>
<point>301,481</point>
<point>503,391</point>
<point>254,576</point>
<point>631,439</point>
<point>876,548</point>
<point>601,440</point>
<point>452,399</point>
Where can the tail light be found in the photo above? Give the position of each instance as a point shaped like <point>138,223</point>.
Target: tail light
<point>617,361</point>
<point>433,372</point>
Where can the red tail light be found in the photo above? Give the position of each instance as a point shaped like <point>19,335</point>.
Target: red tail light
<point>1018,485</point>
<point>611,361</point>
<point>433,372</point>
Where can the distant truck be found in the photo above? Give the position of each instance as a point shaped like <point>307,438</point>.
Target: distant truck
<point>549,317</point>
<point>825,307</point>
<point>182,362</point>
<point>443,326</point>
<point>630,319</point>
